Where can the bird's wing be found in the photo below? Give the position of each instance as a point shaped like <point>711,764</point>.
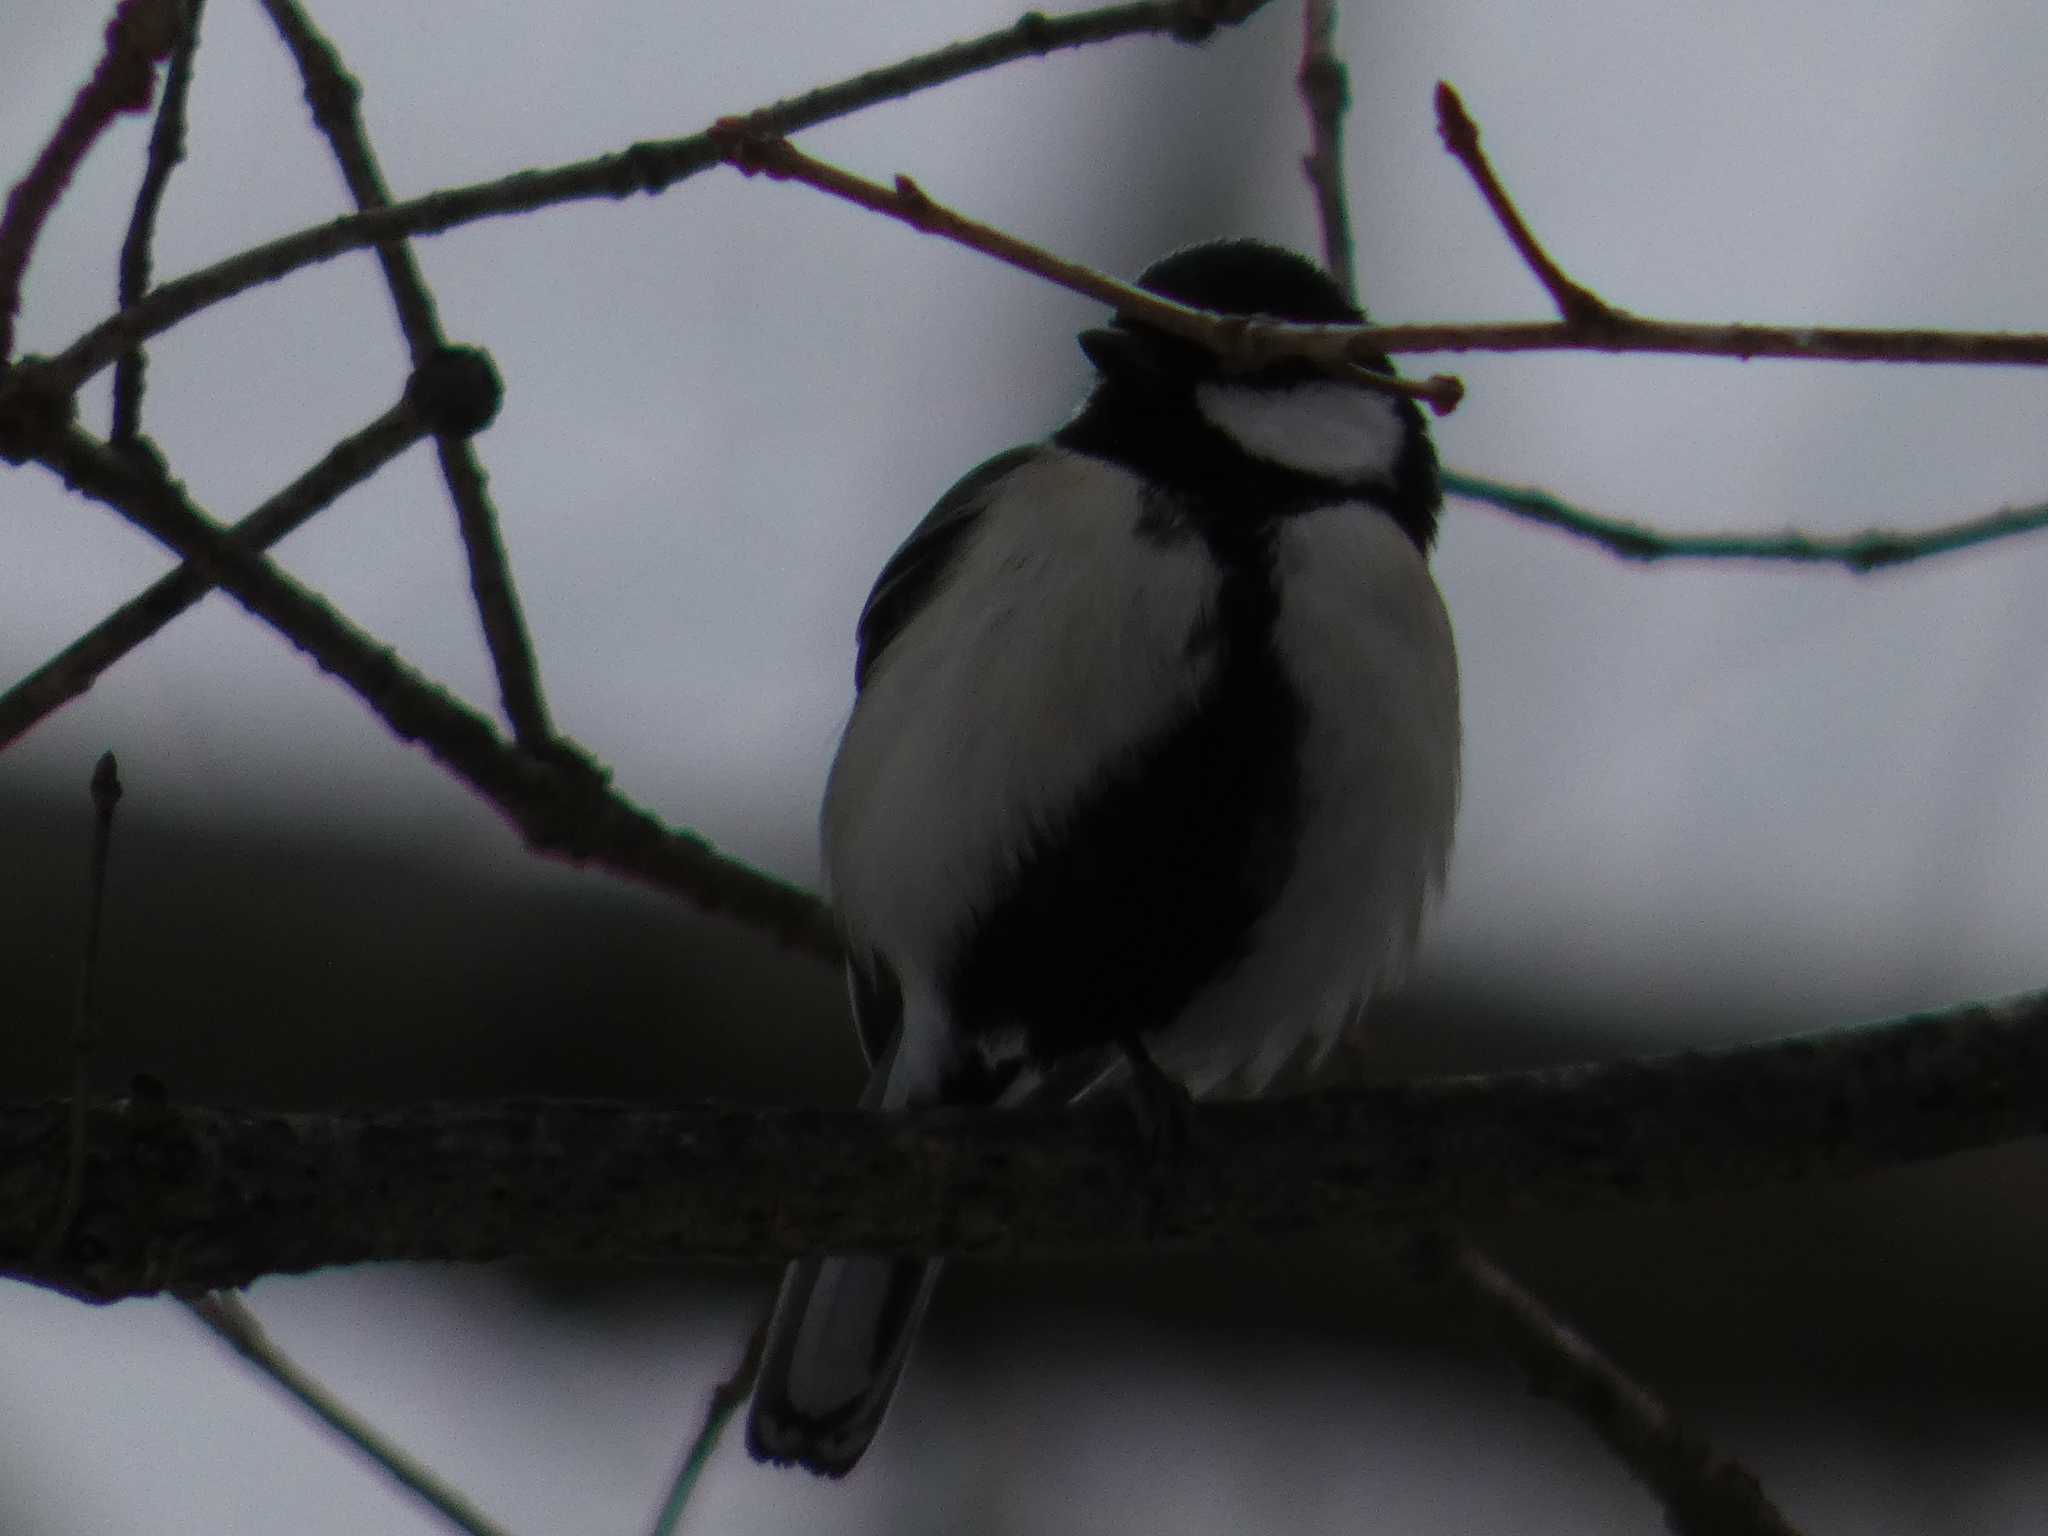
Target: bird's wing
<point>912,575</point>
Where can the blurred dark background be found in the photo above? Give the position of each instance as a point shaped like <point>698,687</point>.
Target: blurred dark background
<point>1873,1349</point>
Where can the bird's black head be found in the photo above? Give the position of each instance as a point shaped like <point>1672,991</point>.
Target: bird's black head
<point>1266,441</point>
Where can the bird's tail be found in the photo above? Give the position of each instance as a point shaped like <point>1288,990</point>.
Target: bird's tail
<point>839,1336</point>
<point>836,1347</point>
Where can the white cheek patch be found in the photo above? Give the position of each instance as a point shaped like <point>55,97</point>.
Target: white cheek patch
<point>1326,428</point>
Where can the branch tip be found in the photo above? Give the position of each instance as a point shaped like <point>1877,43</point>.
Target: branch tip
<point>1454,124</point>
<point>106,785</point>
<point>1579,306</point>
<point>1445,393</point>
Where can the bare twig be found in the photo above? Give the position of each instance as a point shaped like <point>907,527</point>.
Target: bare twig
<point>657,166</point>
<point>1231,337</point>
<point>78,666</point>
<point>561,803</point>
<point>1461,137</point>
<point>648,167</point>
<point>230,1321</point>
<point>727,1398</point>
<point>186,1198</point>
<point>1325,87</point>
<point>1619,332</point>
<point>1250,342</point>
<point>1704,1492</point>
<point>332,93</point>
<point>140,33</point>
<point>106,794</point>
<point>1874,549</point>
<point>166,150</point>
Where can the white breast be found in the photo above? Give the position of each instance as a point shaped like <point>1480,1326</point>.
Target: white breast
<point>1363,635</point>
<point>1056,644</point>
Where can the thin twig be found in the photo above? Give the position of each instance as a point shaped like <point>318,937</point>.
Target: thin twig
<point>1461,137</point>
<point>1325,87</point>
<point>1874,549</point>
<point>727,1398</point>
<point>654,167</point>
<point>79,665</point>
<point>166,150</point>
<point>187,1197</point>
<point>651,167</point>
<point>106,794</point>
<point>333,93</point>
<point>230,1321</point>
<point>140,33</point>
<point>1231,337</point>
<point>1618,332</point>
<point>562,803</point>
<point>1692,1480</point>
<point>1704,1492</point>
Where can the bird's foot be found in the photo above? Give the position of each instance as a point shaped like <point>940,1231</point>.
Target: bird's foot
<point>1164,1109</point>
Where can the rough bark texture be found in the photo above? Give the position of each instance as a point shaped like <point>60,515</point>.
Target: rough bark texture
<point>183,1198</point>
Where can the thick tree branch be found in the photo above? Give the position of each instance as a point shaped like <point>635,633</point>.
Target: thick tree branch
<point>188,1199</point>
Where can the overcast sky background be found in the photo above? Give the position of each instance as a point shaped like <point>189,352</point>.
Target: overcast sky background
<point>724,407</point>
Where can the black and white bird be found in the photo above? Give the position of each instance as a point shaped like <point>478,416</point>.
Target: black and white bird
<point>1154,756</point>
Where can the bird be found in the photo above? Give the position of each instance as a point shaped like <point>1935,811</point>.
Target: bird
<point>1151,770</point>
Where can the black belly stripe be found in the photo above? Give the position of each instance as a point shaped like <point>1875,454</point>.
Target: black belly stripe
<point>1150,887</point>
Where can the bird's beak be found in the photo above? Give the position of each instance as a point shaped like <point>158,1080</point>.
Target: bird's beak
<point>1134,355</point>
